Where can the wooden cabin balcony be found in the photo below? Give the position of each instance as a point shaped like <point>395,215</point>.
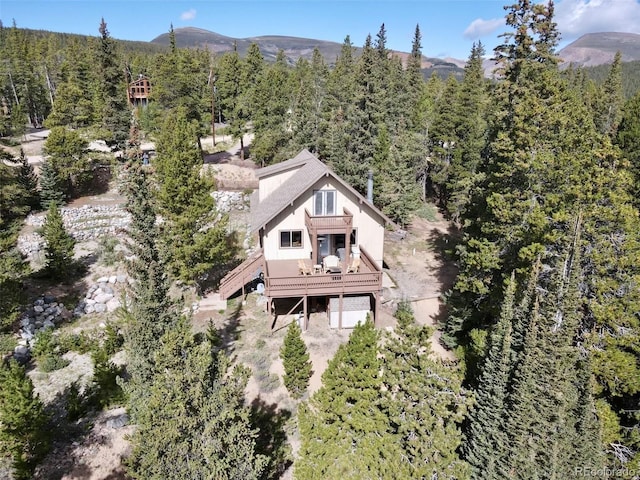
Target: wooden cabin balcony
<point>283,279</point>
<point>327,224</point>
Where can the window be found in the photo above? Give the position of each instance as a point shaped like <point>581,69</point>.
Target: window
<point>324,202</point>
<point>291,239</point>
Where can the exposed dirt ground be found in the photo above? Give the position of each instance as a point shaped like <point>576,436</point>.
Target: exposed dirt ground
<point>417,270</point>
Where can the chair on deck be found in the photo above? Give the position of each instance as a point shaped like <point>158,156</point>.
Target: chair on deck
<point>304,268</point>
<point>330,262</point>
<point>355,265</point>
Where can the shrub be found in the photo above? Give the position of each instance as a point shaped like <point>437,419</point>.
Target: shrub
<point>76,342</point>
<point>52,362</point>
<point>113,338</point>
<point>108,254</point>
<point>46,343</point>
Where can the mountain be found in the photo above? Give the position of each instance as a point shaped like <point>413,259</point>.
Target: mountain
<point>600,48</point>
<point>293,48</point>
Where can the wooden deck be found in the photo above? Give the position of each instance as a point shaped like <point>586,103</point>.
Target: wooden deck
<point>283,279</point>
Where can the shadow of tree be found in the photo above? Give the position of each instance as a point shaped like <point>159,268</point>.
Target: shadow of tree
<point>230,331</point>
<point>272,436</point>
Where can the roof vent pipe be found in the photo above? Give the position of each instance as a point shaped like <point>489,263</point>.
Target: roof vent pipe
<point>370,187</point>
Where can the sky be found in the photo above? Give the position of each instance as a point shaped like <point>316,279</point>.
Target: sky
<point>448,27</point>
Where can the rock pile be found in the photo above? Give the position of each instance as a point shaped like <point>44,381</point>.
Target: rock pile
<point>227,200</point>
<point>101,297</point>
<point>89,222</point>
<point>46,312</point>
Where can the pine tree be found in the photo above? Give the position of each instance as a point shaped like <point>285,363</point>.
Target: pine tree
<point>270,107</point>
<point>628,139</point>
<point>195,237</point>
<point>59,244</point>
<point>13,206</point>
<point>343,428</point>
<point>295,359</point>
<point>65,151</point>
<point>608,108</point>
<point>151,312</point>
<point>196,424</point>
<point>51,189</point>
<point>29,181</point>
<point>24,432</point>
<point>486,442</point>
<point>115,114</point>
<point>424,401</point>
<point>470,131</point>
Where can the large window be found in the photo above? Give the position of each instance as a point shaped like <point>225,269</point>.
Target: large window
<point>291,239</point>
<point>324,202</point>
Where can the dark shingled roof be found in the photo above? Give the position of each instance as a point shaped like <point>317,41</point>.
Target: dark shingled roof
<point>310,170</point>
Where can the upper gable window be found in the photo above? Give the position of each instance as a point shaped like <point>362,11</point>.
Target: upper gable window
<point>324,202</point>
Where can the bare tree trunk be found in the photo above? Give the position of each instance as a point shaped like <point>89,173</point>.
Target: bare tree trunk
<point>242,147</point>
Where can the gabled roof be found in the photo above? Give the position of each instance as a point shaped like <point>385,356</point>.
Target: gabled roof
<point>310,170</point>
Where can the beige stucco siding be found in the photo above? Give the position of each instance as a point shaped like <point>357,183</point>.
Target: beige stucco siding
<point>369,225</point>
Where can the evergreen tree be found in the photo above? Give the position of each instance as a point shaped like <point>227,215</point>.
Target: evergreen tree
<point>486,442</point>
<point>13,206</point>
<point>29,181</point>
<point>424,401</point>
<point>470,130</point>
<point>114,114</point>
<point>271,134</point>
<point>443,139</point>
<point>196,424</point>
<point>23,423</point>
<point>65,152</point>
<point>343,428</point>
<point>59,244</point>
<point>234,98</point>
<point>608,108</point>
<point>295,359</point>
<point>151,312</point>
<point>51,189</point>
<point>628,139</point>
<point>195,237</point>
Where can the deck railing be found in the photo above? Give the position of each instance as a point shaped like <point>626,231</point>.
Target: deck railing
<point>328,223</point>
<point>241,275</point>
<point>368,280</point>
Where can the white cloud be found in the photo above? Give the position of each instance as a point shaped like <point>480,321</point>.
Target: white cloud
<point>188,15</point>
<point>480,27</point>
<point>577,17</point>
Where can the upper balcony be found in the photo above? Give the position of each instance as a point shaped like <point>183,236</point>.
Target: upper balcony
<point>327,224</point>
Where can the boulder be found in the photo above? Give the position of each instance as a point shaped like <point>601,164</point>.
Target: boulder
<point>100,308</point>
<point>103,297</point>
<point>113,304</point>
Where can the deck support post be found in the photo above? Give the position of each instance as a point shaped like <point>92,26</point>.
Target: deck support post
<point>340,312</point>
<point>376,297</point>
<point>305,312</point>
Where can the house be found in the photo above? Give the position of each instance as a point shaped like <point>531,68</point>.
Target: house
<point>321,242</point>
<point>139,91</point>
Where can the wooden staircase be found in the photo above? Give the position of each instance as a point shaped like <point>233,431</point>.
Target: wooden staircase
<point>242,274</point>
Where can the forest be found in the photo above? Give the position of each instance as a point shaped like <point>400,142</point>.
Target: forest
<point>538,169</point>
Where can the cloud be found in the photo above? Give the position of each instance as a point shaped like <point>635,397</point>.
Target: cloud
<point>577,17</point>
<point>188,15</point>
<point>480,27</point>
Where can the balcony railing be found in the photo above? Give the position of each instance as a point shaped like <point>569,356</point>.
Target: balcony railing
<point>281,282</point>
<point>326,224</point>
